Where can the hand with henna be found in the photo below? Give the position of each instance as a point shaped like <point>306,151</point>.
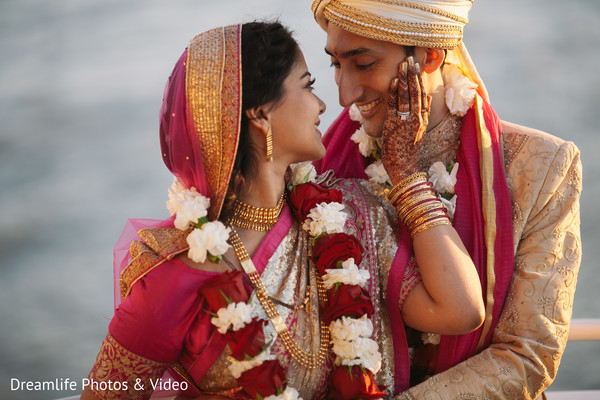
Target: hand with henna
<point>406,122</point>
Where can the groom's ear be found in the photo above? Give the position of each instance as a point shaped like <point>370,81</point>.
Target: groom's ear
<point>434,59</point>
<point>257,118</point>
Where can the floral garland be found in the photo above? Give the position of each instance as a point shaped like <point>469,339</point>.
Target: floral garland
<point>459,95</point>
<point>346,311</point>
<point>258,373</point>
<point>208,239</point>
<point>348,308</point>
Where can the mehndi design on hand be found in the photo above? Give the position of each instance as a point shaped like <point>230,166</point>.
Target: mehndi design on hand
<point>406,121</point>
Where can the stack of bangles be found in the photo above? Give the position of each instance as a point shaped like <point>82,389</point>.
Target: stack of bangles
<point>417,204</point>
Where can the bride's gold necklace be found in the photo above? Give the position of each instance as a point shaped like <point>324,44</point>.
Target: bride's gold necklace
<point>295,307</point>
<point>301,356</point>
<point>256,218</point>
<point>263,219</point>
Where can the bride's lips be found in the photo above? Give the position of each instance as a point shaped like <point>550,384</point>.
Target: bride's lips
<point>368,109</point>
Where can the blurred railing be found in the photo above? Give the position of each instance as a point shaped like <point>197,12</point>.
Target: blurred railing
<point>582,329</point>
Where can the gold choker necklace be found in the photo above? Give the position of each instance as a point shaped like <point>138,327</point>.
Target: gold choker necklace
<point>256,218</point>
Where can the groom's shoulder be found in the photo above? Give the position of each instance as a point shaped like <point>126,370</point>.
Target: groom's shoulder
<point>522,141</point>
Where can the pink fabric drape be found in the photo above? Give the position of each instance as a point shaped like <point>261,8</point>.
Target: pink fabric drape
<point>178,139</point>
<point>344,158</point>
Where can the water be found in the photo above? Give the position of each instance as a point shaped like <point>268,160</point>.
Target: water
<point>81,85</point>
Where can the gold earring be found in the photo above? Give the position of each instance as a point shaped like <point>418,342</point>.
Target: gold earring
<point>269,144</point>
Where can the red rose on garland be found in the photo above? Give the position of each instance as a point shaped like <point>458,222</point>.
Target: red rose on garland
<point>248,341</point>
<point>264,380</point>
<point>329,249</point>
<point>306,196</point>
<point>354,383</point>
<point>347,300</point>
<point>223,287</point>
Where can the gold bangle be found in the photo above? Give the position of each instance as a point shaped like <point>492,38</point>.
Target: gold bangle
<point>419,177</point>
<point>409,206</point>
<point>431,224</point>
<point>424,218</point>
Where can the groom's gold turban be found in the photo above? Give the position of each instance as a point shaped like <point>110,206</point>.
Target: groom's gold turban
<point>422,23</point>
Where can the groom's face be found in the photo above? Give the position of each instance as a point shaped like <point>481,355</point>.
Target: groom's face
<point>364,69</point>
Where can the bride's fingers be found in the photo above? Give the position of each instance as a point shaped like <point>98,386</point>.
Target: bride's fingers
<point>417,95</point>
<point>414,86</point>
<point>403,95</point>
<point>392,100</point>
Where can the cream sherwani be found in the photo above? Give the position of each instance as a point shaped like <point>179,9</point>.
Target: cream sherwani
<point>544,179</point>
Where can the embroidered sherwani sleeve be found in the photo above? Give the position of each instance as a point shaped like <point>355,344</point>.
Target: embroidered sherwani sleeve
<point>531,334</point>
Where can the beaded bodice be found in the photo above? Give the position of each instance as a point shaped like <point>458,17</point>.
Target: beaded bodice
<point>441,142</point>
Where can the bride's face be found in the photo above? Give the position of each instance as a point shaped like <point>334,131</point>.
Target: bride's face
<point>295,118</point>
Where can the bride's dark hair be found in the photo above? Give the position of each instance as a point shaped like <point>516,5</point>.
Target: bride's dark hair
<point>268,54</point>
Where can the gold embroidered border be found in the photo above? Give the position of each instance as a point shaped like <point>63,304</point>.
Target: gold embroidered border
<point>213,87</point>
<point>376,27</point>
<point>117,370</point>
<point>142,262</point>
<point>426,8</point>
<point>164,243</point>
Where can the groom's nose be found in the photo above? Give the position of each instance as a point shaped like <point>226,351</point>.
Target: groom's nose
<point>349,89</point>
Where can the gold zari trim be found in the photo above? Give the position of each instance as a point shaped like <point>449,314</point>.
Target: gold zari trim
<point>426,8</point>
<point>160,245</point>
<point>213,87</point>
<point>404,33</point>
<point>120,374</point>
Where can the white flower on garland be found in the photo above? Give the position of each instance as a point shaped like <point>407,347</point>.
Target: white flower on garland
<point>349,274</point>
<point>363,351</point>
<point>376,172</point>
<point>237,368</point>
<point>190,209</point>
<point>187,205</point>
<point>211,238</point>
<point>288,394</point>
<point>352,343</point>
<point>444,182</point>
<point>348,328</point>
<point>354,114</point>
<point>174,202</point>
<point>367,145</point>
<point>303,172</point>
<point>234,316</point>
<point>325,218</point>
<point>459,90</point>
<point>450,205</point>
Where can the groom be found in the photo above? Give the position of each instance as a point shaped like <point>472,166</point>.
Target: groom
<point>515,201</point>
